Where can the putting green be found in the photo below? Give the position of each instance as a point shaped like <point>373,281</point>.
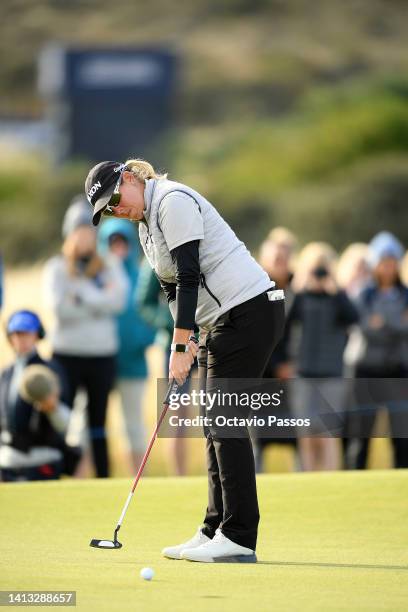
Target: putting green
<point>327,541</point>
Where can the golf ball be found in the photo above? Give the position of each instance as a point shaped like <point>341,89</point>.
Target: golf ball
<point>146,573</point>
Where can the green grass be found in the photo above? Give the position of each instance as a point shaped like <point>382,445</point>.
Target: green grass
<point>329,541</point>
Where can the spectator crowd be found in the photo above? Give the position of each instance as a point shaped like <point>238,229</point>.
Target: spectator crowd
<point>346,317</point>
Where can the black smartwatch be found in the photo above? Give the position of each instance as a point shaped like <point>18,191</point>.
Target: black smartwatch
<point>179,348</point>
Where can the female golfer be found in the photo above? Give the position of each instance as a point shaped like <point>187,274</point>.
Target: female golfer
<point>211,281</point>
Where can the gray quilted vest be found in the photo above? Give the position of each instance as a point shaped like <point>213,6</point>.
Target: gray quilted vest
<point>229,275</point>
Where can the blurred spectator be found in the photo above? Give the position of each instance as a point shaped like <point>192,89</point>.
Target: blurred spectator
<point>276,259</point>
<point>353,274</point>
<point>282,237</point>
<point>383,308</point>
<point>32,445</point>
<point>85,293</point>
<point>353,270</point>
<point>76,215</point>
<point>153,307</point>
<point>324,313</point>
<point>404,269</point>
<point>1,283</point>
<point>118,236</point>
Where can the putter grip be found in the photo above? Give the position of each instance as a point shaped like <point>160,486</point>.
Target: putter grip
<point>173,387</point>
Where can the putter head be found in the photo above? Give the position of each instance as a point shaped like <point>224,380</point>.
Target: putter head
<point>105,544</point>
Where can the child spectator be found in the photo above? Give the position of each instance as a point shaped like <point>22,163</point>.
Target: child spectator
<point>32,445</point>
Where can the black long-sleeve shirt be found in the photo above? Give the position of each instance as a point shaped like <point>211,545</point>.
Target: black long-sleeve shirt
<point>185,289</point>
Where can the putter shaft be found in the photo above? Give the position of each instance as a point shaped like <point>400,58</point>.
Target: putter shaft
<point>172,389</point>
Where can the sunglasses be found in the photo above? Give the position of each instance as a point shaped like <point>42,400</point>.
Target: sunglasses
<point>115,198</point>
<point>111,205</point>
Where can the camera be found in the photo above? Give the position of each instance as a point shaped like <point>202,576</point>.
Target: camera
<point>320,272</point>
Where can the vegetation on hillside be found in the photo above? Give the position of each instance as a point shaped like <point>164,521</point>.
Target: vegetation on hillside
<point>287,112</point>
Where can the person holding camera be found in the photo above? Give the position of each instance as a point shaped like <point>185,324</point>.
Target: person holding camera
<point>323,313</point>
<point>85,293</point>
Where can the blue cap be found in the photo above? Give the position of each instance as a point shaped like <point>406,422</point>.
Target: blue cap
<point>384,245</point>
<point>25,321</point>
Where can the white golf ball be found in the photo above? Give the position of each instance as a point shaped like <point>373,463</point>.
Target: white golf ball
<point>146,573</point>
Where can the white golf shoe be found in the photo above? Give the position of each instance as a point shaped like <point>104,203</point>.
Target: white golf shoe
<point>174,552</point>
<point>219,550</point>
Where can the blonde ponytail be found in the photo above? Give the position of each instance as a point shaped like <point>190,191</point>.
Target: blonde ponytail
<point>143,170</point>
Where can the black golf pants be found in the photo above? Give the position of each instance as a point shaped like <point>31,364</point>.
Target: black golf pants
<point>238,346</point>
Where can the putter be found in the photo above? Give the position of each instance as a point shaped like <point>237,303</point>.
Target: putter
<point>173,386</point>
